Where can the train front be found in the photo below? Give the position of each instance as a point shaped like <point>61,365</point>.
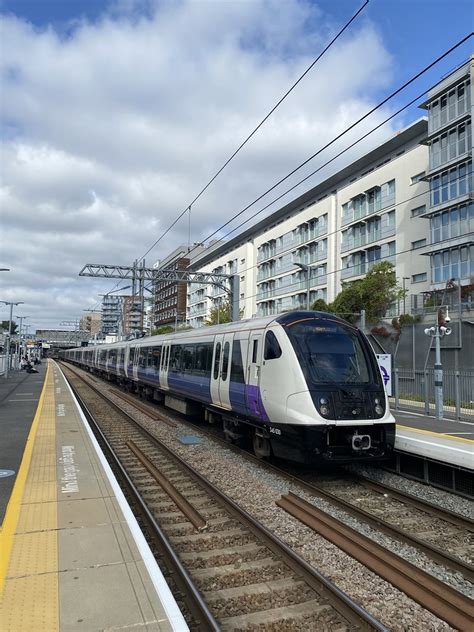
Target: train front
<point>349,406</point>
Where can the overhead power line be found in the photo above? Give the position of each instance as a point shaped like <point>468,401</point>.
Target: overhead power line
<point>336,138</point>
<point>243,143</point>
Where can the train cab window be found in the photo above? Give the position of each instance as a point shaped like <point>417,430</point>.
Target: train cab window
<point>217,360</point>
<point>272,349</point>
<point>225,361</point>
<point>254,351</point>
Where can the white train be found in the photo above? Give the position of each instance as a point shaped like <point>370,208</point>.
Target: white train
<point>304,386</point>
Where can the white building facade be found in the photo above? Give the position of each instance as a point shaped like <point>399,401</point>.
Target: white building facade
<point>373,210</point>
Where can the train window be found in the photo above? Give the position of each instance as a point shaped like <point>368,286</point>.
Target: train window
<point>225,361</point>
<point>216,360</point>
<point>175,361</point>
<point>150,357</point>
<point>201,358</point>
<point>237,366</point>
<point>142,357</point>
<point>254,351</point>
<point>156,357</point>
<point>187,359</point>
<point>272,349</point>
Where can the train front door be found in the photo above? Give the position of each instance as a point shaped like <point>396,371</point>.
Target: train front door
<point>254,362</point>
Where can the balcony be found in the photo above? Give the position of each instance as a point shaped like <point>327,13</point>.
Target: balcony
<point>364,267</point>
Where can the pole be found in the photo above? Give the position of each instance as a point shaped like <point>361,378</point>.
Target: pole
<point>218,309</point>
<point>362,320</point>
<point>438,376</point>
<point>8,341</point>
<point>308,286</point>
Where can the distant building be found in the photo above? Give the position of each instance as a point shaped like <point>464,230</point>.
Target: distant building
<point>450,211</point>
<point>91,322</point>
<point>369,211</point>
<point>170,296</point>
<point>112,315</point>
<point>132,314</point>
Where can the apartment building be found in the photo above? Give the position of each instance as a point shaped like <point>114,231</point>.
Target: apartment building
<point>112,315</point>
<point>370,211</point>
<point>132,314</point>
<point>450,210</point>
<point>91,322</point>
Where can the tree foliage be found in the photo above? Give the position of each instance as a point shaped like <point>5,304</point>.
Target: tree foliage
<point>164,329</point>
<point>219,314</point>
<point>4,326</point>
<point>374,293</point>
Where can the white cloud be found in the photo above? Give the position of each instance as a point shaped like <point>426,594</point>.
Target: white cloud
<point>110,131</point>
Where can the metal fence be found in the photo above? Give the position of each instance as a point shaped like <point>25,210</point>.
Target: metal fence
<point>415,390</point>
<point>3,364</point>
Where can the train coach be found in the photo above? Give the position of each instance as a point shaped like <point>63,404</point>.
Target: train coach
<point>303,386</point>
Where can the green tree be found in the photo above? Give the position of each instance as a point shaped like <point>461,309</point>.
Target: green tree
<point>164,329</point>
<point>4,326</point>
<point>219,314</point>
<point>379,290</point>
<point>374,293</point>
<point>320,305</point>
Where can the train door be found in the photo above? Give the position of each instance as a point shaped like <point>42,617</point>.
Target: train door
<point>164,364</point>
<point>254,361</point>
<point>216,369</point>
<point>134,353</point>
<point>224,381</point>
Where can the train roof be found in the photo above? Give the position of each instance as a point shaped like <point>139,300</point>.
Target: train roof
<point>286,318</point>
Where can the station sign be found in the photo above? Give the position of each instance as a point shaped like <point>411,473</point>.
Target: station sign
<point>385,366</point>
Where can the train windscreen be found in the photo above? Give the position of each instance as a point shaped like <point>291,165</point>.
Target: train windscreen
<point>329,352</point>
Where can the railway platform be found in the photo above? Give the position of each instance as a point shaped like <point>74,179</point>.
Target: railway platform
<point>445,440</point>
<point>72,555</point>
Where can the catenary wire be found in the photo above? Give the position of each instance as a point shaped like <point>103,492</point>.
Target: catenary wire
<point>336,138</point>
<point>287,93</point>
<point>341,229</point>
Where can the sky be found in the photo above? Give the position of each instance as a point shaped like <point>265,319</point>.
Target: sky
<point>115,114</point>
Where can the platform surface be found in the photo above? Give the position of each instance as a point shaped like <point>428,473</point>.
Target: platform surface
<point>19,396</point>
<point>444,440</point>
<point>71,559</point>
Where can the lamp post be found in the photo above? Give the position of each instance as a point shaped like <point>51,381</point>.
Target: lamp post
<point>404,295</point>
<point>21,319</point>
<point>11,303</point>
<point>438,332</point>
<point>307,269</point>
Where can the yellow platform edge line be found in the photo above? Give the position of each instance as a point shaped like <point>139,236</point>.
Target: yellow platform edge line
<point>8,528</point>
<point>435,434</point>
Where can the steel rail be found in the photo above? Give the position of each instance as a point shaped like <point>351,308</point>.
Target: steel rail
<point>424,505</point>
<point>144,408</point>
<point>179,500</point>
<point>438,555</point>
<point>442,600</point>
<point>194,600</point>
<point>339,600</point>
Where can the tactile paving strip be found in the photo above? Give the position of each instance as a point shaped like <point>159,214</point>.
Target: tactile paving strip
<point>30,600</point>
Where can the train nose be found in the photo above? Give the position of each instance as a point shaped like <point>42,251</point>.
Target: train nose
<point>361,442</point>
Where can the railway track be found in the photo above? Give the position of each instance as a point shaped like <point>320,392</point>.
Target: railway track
<point>445,537</point>
<point>235,573</point>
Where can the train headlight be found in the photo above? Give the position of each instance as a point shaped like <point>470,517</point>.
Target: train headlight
<point>323,406</point>
<point>378,406</point>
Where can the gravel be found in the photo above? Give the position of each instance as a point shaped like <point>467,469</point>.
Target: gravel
<point>257,490</point>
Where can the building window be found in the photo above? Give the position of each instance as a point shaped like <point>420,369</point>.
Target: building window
<point>450,184</point>
<point>419,278</point>
<point>455,222</point>
<point>418,177</point>
<point>419,210</point>
<point>419,243</point>
<point>456,263</point>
